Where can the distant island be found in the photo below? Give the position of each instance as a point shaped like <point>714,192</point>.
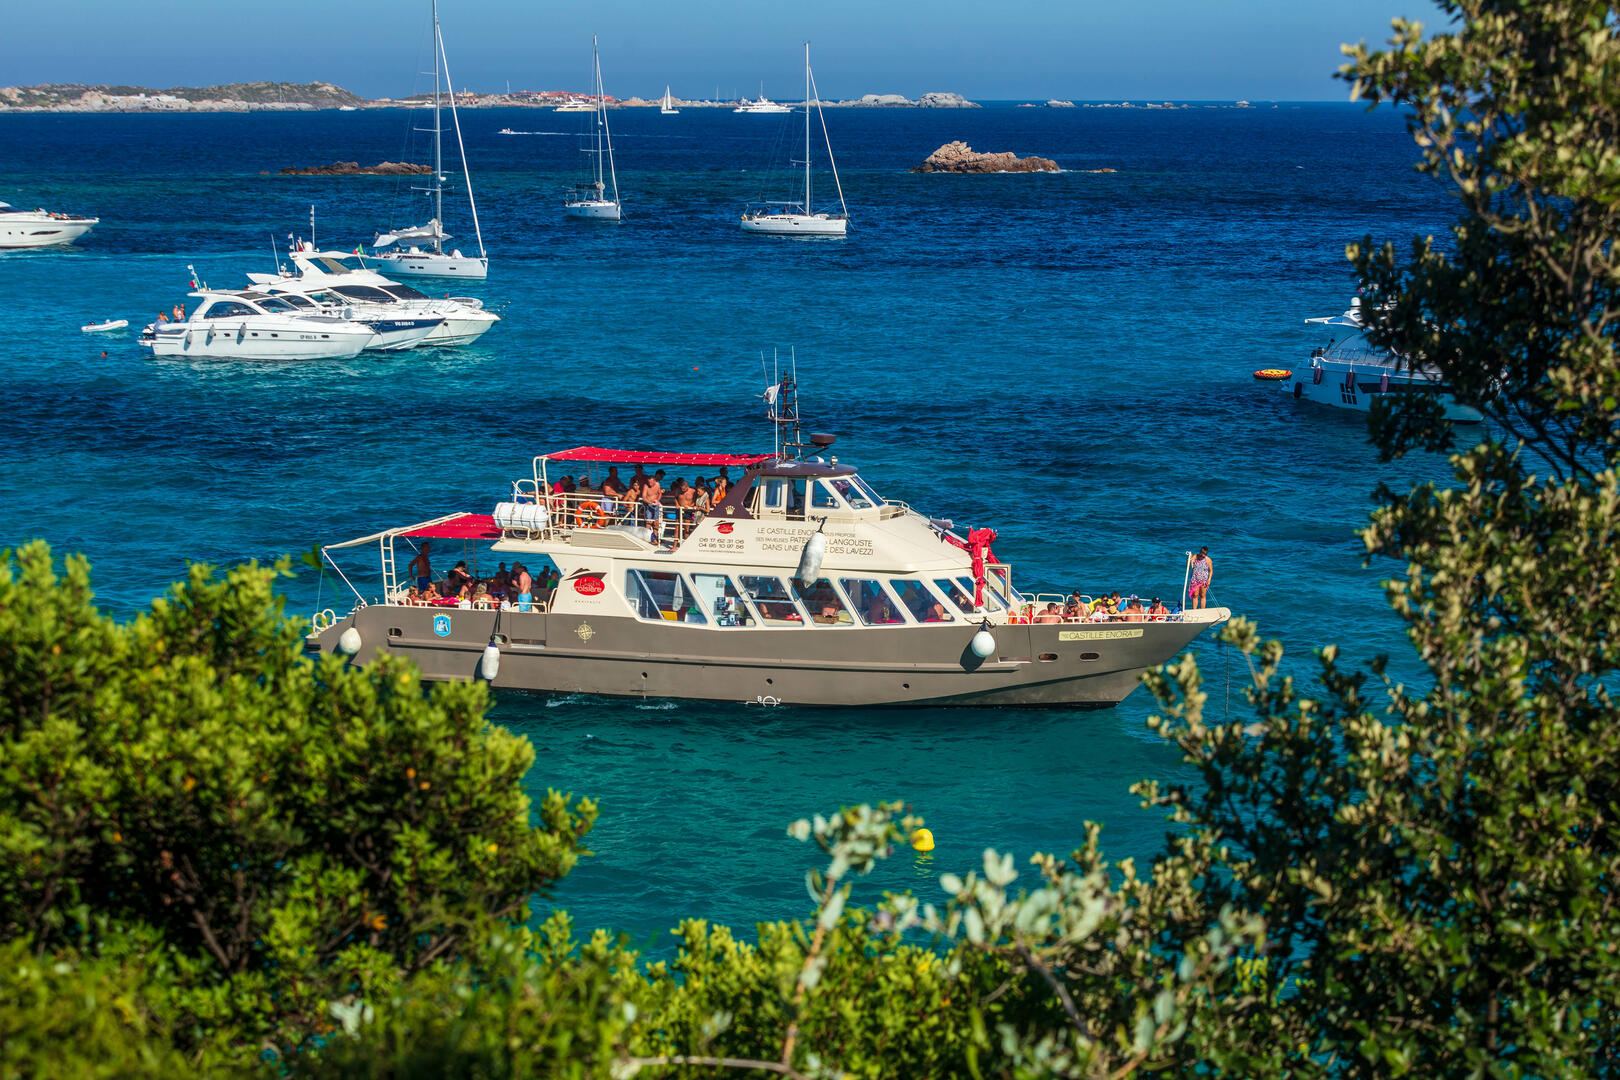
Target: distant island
<point>354,168</point>
<point>272,96</point>
<point>232,97</point>
<point>300,97</point>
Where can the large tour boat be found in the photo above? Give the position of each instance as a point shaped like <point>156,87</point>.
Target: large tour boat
<point>799,585</point>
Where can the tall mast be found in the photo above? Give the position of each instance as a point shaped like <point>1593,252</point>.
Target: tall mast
<point>461,146</point>
<point>807,127</point>
<point>438,135</point>
<point>603,132</point>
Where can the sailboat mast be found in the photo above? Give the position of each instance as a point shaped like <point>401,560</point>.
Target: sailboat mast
<point>603,132</point>
<point>807,127</point>
<point>461,146</point>
<point>438,137</point>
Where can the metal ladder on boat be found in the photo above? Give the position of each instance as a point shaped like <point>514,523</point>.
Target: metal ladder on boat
<point>389,573</point>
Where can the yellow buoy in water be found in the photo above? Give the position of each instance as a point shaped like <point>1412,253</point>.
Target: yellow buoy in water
<point>922,840</point>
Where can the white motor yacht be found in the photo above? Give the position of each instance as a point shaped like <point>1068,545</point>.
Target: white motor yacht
<point>800,217</point>
<point>432,260</point>
<point>339,278</point>
<point>763,106</point>
<point>20,229</point>
<point>1349,372</point>
<point>253,326</point>
<point>590,199</point>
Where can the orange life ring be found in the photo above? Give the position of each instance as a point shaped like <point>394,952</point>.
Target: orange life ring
<point>584,511</point>
<point>1273,374</point>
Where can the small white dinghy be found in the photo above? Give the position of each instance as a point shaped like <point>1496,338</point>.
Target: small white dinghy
<point>103,327</point>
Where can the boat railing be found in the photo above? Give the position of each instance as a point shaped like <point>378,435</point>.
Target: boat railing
<point>1032,605</point>
<point>567,513</point>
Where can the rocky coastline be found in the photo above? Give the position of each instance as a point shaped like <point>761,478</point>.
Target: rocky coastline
<point>354,168</point>
<point>959,157</point>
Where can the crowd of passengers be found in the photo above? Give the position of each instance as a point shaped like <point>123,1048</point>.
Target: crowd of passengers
<point>507,589</point>
<point>1103,609</point>
<point>646,497</point>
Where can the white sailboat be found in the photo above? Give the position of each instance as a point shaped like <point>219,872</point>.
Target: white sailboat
<point>801,218</point>
<point>667,106</point>
<point>590,200</point>
<point>425,256</point>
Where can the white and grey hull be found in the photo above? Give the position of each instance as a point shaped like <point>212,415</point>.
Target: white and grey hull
<point>433,264</point>
<point>795,224</point>
<point>1064,664</point>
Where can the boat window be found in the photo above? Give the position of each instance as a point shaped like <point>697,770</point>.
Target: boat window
<point>854,492</point>
<point>773,601</point>
<point>959,591</point>
<point>775,493</point>
<point>872,602</point>
<point>823,603</point>
<point>924,606</point>
<point>822,498</point>
<point>363,292</point>
<point>795,508</point>
<point>659,595</point>
<point>225,309</point>
<point>403,292</point>
<point>271,303</point>
<point>727,604</point>
<point>294,301</point>
<point>873,498</point>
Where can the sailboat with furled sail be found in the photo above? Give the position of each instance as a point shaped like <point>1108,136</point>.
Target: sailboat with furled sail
<point>423,254</point>
<point>800,217</point>
<point>590,200</point>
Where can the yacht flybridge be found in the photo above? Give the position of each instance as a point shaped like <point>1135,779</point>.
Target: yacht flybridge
<point>798,585</point>
<point>423,254</point>
<point>20,229</point>
<point>800,217</point>
<point>342,280</point>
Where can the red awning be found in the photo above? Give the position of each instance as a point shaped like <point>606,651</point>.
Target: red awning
<point>652,457</point>
<point>460,527</point>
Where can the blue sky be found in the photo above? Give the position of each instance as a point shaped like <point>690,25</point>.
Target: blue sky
<point>1084,49</point>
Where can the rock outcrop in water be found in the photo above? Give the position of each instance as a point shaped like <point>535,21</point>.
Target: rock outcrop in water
<point>959,157</point>
<point>354,168</point>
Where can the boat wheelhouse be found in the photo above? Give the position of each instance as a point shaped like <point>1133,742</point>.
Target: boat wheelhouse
<point>799,585</point>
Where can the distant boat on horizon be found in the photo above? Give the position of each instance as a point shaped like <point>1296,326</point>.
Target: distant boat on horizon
<point>764,106</point>
<point>667,106</point>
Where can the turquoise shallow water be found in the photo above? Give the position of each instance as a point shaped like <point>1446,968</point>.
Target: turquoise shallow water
<point>1065,357</point>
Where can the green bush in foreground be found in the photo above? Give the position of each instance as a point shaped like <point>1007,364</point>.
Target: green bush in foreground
<point>214,851</point>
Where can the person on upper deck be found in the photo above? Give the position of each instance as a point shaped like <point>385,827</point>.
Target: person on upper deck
<point>611,484</point>
<point>1050,615</point>
<point>721,487</point>
<point>701,495</point>
<point>652,499</point>
<point>422,567</point>
<point>1158,612</point>
<point>524,585</point>
<point>458,577</point>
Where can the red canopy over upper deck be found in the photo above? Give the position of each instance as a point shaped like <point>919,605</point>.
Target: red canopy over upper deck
<point>460,527</point>
<point>653,457</point>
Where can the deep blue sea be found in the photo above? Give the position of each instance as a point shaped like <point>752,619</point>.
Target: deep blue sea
<point>1067,358</point>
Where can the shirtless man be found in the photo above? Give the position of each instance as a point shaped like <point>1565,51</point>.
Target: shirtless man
<point>1050,615</point>
<point>421,567</point>
<point>523,583</point>
<point>611,484</point>
<point>652,495</point>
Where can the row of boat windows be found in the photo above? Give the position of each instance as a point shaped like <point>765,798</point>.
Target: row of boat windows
<point>788,494</point>
<point>290,302</point>
<point>747,600</point>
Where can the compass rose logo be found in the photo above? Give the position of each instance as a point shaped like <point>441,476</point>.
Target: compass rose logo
<point>584,631</point>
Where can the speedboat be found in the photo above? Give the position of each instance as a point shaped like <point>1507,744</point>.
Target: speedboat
<point>801,585</point>
<point>254,326</point>
<point>1349,372</point>
<point>20,229</point>
<point>343,278</point>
